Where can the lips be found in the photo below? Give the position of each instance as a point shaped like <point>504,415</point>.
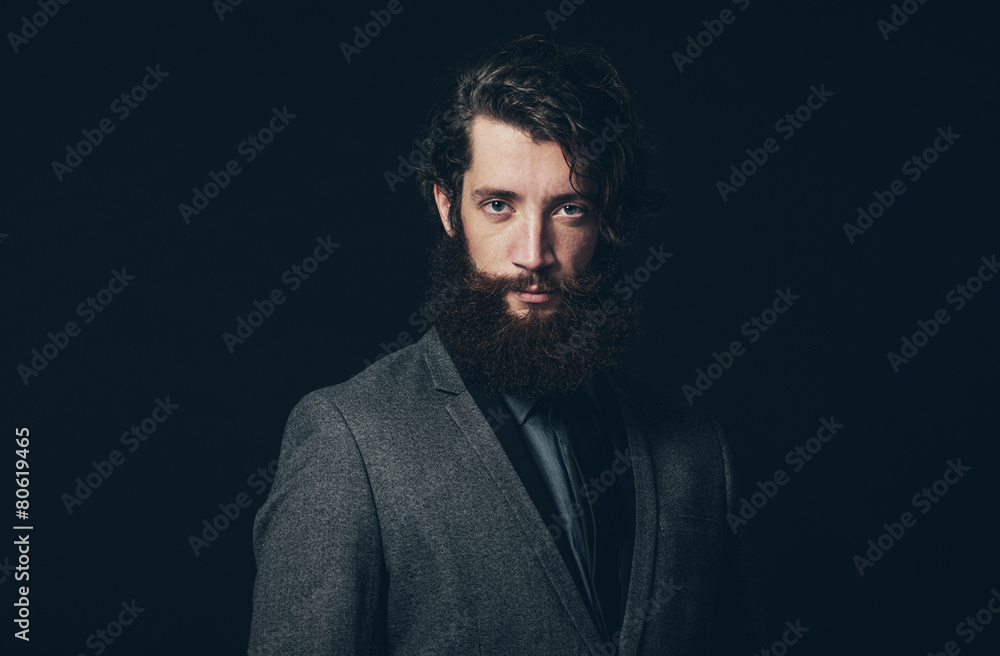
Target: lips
<point>533,295</point>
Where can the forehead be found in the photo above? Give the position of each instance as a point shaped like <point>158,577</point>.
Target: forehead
<point>506,156</point>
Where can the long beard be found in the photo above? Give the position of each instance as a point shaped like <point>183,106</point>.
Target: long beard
<point>541,353</point>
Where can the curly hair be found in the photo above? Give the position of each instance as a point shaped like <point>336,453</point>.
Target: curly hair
<point>565,94</point>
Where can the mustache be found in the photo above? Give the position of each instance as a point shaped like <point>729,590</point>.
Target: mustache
<point>575,284</point>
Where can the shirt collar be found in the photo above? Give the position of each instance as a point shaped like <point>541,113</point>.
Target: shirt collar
<point>520,406</point>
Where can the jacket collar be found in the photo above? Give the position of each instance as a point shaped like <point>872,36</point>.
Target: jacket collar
<point>443,372</point>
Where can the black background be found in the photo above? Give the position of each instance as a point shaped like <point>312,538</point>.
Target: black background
<point>324,175</point>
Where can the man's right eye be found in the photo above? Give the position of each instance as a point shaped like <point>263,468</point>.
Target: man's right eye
<point>497,206</point>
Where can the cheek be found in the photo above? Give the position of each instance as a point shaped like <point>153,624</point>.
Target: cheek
<point>580,248</point>
<point>484,248</point>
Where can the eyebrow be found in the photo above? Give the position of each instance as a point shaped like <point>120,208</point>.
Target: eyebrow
<point>483,193</point>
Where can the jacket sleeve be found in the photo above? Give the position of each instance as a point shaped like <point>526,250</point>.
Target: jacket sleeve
<point>738,624</point>
<point>320,580</point>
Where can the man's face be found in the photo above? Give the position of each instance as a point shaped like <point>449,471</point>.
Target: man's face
<point>521,217</point>
<point>536,312</point>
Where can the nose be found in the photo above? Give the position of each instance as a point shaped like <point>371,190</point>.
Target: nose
<point>533,247</point>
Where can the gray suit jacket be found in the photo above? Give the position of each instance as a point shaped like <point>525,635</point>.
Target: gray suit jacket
<point>396,524</point>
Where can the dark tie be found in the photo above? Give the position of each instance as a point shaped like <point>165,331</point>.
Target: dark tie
<point>571,455</point>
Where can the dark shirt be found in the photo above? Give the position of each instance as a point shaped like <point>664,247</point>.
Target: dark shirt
<point>596,432</point>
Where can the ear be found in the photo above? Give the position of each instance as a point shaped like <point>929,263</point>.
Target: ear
<point>444,207</point>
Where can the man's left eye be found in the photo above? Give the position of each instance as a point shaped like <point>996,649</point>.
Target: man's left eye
<point>572,210</point>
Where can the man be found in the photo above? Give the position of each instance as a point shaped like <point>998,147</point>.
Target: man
<point>499,487</point>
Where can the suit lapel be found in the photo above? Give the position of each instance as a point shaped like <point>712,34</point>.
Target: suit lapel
<point>646,528</point>
<point>512,442</point>
<point>487,445</point>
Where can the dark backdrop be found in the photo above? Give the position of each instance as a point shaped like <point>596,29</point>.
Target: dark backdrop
<point>221,77</point>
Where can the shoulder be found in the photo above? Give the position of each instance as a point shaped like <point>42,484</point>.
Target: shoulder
<point>690,457</point>
<point>658,407</point>
<point>683,442</point>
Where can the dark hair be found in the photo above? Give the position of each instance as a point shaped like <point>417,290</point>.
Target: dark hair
<point>566,94</point>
